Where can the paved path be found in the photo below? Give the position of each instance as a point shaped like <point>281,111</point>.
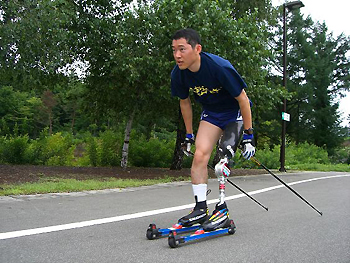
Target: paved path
<point>110,226</point>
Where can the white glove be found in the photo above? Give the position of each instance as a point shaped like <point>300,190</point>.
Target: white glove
<point>248,151</point>
<point>248,147</point>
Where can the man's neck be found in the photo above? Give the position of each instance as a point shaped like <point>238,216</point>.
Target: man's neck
<point>196,65</point>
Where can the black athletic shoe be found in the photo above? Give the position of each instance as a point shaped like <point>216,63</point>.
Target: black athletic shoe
<point>196,216</point>
<point>219,219</point>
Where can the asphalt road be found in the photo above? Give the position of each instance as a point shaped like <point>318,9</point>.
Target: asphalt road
<point>110,226</point>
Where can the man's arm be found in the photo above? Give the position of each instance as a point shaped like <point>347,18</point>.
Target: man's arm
<point>244,105</point>
<point>248,139</point>
<point>186,110</point>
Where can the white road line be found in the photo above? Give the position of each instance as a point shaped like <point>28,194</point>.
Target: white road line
<point>41,230</point>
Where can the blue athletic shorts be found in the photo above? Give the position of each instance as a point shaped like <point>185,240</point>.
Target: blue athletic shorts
<point>221,119</point>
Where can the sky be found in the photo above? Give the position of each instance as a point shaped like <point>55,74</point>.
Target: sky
<point>335,14</point>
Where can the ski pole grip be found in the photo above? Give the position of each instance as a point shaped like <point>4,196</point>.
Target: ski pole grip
<point>255,161</point>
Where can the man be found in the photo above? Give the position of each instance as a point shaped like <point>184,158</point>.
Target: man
<point>218,87</point>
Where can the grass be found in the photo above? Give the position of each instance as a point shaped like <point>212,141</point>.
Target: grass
<point>321,167</point>
<point>59,185</point>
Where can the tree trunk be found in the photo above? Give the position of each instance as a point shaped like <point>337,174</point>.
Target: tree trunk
<point>73,122</point>
<point>180,137</point>
<point>50,124</point>
<point>125,151</point>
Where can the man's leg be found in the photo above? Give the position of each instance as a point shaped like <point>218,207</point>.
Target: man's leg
<point>207,136</point>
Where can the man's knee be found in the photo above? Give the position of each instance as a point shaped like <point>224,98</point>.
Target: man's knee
<point>201,156</point>
<point>200,162</point>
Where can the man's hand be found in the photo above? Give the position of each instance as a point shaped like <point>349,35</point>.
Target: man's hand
<point>248,149</point>
<point>189,140</point>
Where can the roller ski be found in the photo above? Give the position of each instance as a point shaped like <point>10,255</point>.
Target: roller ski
<point>217,224</point>
<point>188,223</point>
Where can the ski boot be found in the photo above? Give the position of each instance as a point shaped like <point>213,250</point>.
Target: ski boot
<point>219,219</point>
<point>196,216</point>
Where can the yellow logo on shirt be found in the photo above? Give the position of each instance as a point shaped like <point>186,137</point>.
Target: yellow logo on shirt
<point>200,91</point>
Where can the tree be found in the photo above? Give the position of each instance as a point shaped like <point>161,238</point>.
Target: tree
<point>131,72</point>
<point>21,110</point>
<point>318,72</point>
<point>128,56</point>
<point>242,8</point>
<point>35,43</point>
<point>49,102</point>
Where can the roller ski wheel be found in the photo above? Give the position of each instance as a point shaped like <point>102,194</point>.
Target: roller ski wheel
<point>232,228</point>
<point>173,243</point>
<point>174,240</point>
<point>153,232</point>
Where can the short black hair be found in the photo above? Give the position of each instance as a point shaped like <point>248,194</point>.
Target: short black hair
<point>192,37</point>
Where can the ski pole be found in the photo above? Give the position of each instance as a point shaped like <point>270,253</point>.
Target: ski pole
<point>188,153</point>
<point>286,185</point>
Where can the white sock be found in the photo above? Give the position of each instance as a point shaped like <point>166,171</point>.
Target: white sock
<point>200,190</point>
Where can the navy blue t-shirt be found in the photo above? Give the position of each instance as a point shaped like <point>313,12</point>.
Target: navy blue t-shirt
<point>215,85</point>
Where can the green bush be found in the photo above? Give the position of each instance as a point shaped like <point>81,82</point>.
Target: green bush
<point>109,148</point>
<point>151,153</point>
<point>33,154</point>
<point>13,149</point>
<point>56,149</point>
<point>270,158</point>
<point>2,144</point>
<point>4,128</point>
<point>303,153</point>
<point>104,150</point>
<point>342,155</point>
<point>59,149</point>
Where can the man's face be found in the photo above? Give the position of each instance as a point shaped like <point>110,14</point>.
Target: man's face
<point>185,56</point>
